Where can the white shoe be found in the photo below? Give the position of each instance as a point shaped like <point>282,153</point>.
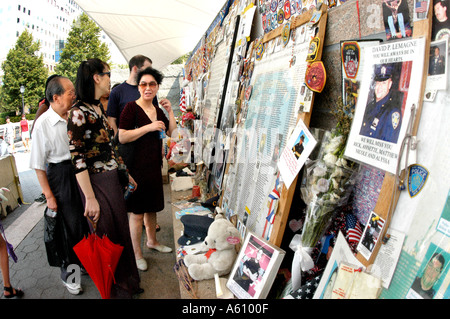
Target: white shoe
<point>141,264</point>
<point>161,248</point>
<point>74,289</point>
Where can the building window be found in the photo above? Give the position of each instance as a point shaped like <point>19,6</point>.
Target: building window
<point>18,7</point>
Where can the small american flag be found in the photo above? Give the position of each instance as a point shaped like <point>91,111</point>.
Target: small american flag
<point>275,194</point>
<point>182,101</point>
<point>421,6</point>
<point>354,230</point>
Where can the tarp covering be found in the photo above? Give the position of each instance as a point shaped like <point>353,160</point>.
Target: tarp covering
<point>163,30</point>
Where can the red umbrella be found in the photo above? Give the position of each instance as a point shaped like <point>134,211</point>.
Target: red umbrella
<point>99,256</point>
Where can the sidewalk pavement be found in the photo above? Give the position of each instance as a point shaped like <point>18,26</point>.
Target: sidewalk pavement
<point>24,229</point>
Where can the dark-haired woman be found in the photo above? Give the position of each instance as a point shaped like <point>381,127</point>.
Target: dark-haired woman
<point>96,170</point>
<point>142,122</point>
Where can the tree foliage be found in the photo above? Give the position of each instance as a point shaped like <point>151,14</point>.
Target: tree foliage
<point>82,43</point>
<point>23,67</point>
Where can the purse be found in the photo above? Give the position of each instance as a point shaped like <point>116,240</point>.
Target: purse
<point>126,150</point>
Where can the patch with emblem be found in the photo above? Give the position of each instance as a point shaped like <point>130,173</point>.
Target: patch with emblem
<point>313,49</point>
<point>273,5</point>
<point>280,16</point>
<point>316,76</point>
<point>285,33</point>
<point>417,178</point>
<point>395,119</point>
<point>287,10</point>
<point>350,55</point>
<point>260,51</point>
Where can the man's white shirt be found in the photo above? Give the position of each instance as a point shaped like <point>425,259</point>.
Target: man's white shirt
<point>50,142</point>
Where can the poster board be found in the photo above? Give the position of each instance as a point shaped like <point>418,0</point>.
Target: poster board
<point>250,179</point>
<point>389,194</point>
<point>217,84</point>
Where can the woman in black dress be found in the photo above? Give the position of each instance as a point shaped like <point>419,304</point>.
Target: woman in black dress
<point>141,122</point>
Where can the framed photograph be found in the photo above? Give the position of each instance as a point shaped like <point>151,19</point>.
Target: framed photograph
<point>255,268</point>
<point>389,92</point>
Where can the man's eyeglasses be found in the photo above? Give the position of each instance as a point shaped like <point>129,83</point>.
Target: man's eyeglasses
<point>106,73</point>
<point>151,85</point>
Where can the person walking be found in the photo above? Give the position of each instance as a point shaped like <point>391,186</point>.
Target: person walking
<point>10,134</point>
<point>25,133</point>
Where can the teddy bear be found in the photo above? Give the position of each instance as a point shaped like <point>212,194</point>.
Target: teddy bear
<point>219,245</point>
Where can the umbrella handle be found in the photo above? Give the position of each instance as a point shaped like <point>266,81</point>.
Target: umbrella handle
<point>93,224</point>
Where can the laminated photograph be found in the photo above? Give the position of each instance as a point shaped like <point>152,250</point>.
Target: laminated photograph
<point>298,147</point>
<point>390,90</point>
<point>371,235</point>
<point>437,66</point>
<point>255,268</point>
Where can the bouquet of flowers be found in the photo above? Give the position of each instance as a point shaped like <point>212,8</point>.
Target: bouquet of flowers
<point>327,185</point>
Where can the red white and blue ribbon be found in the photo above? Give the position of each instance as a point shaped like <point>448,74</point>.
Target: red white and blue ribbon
<point>274,197</point>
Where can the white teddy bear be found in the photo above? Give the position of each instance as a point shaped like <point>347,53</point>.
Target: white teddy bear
<point>219,246</point>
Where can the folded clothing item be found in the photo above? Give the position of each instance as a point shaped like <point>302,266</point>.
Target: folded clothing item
<point>195,229</point>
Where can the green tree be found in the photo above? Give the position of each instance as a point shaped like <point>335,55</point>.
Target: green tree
<point>82,43</point>
<point>23,67</point>
<point>182,59</point>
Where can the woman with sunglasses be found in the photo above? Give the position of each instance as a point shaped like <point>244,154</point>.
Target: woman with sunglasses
<point>96,171</point>
<point>142,122</point>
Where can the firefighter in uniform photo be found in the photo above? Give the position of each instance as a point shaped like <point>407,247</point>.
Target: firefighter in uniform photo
<point>298,148</point>
<point>383,117</point>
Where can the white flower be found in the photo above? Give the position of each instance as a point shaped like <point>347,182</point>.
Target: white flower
<point>334,198</point>
<point>335,183</point>
<point>322,185</point>
<point>334,143</point>
<point>319,171</point>
<point>78,117</point>
<point>330,159</point>
<point>341,162</point>
<point>338,172</point>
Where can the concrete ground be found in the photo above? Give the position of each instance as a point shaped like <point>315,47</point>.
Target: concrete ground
<point>25,230</point>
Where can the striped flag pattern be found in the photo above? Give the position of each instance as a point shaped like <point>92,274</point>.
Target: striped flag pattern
<point>421,6</point>
<point>354,230</point>
<point>182,101</point>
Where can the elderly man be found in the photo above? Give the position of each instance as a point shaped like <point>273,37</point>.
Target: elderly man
<point>383,117</point>
<point>50,158</point>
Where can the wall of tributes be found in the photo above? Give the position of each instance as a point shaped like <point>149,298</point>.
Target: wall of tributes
<point>323,130</point>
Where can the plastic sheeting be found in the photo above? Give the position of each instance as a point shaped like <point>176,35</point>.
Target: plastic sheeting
<point>163,30</point>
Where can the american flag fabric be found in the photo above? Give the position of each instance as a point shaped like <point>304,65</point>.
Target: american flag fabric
<point>275,194</point>
<point>421,6</point>
<point>307,290</point>
<point>182,101</point>
<point>354,230</point>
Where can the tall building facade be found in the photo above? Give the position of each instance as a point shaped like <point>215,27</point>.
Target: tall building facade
<point>49,21</point>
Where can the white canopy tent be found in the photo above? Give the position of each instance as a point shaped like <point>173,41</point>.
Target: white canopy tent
<point>163,30</point>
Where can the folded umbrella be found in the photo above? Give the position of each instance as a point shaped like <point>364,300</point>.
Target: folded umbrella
<point>99,256</point>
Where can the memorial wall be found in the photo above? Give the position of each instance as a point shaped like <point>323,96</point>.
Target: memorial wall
<point>322,129</point>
